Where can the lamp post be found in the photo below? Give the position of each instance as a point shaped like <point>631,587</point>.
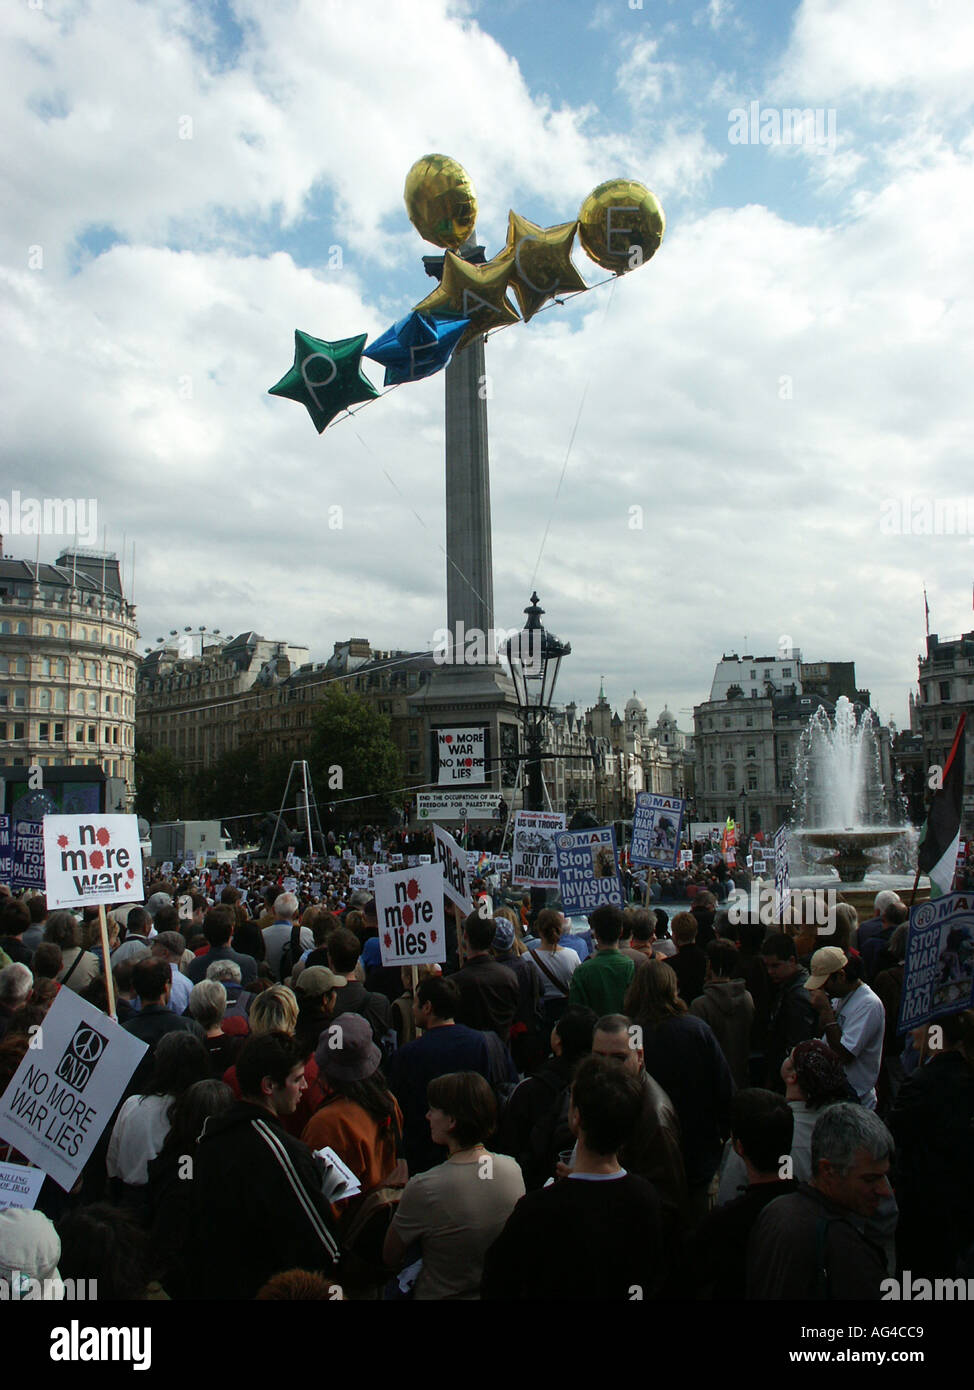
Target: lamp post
<point>534,657</point>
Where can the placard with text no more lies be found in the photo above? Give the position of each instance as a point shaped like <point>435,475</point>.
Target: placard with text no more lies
<point>409,908</point>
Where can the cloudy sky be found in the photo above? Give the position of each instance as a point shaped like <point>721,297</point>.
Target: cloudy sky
<point>784,390</point>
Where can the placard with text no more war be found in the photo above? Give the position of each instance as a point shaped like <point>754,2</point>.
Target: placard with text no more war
<point>588,870</point>
<point>534,862</point>
<point>460,754</point>
<point>92,859</point>
<point>656,827</point>
<point>409,908</point>
<point>66,1089</point>
<point>938,972</point>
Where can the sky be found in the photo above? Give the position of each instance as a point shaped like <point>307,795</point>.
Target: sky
<point>761,434</point>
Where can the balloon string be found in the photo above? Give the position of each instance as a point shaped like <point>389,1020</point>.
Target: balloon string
<point>571,444</point>
<point>422,523</point>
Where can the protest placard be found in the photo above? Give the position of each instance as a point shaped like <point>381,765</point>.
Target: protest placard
<point>588,872</point>
<point>6,852</point>
<point>456,805</point>
<point>782,890</point>
<point>409,909</point>
<point>452,860</point>
<point>92,859</point>
<point>460,754</point>
<point>66,1088</point>
<point>27,855</point>
<point>535,860</point>
<point>938,972</point>
<point>656,826</point>
<point>686,858</point>
<point>19,1185</point>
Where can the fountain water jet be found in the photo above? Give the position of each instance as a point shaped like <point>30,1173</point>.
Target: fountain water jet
<point>843,804</point>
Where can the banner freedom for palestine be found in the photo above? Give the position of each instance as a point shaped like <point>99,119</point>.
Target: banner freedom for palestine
<point>937,850</point>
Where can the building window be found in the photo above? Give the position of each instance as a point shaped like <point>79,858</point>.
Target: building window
<point>92,733</point>
<point>945,690</point>
<point>44,733</point>
<point>785,672</point>
<point>727,722</point>
<point>749,721</point>
<point>946,721</point>
<point>58,733</point>
<point>749,751</point>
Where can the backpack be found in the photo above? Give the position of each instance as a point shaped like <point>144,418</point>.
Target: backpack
<point>503,1078</point>
<point>291,953</point>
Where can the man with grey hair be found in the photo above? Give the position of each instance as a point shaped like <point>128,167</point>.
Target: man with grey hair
<point>239,999</point>
<point>278,934</point>
<point>16,983</point>
<point>867,930</point>
<point>811,1245</point>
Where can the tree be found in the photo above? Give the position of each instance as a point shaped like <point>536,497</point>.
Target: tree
<point>352,754</point>
<point>160,784</point>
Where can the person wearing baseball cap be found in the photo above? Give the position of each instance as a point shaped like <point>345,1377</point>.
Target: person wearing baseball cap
<point>854,1029</point>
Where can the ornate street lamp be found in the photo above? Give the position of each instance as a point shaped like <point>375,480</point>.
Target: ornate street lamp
<point>535,657</point>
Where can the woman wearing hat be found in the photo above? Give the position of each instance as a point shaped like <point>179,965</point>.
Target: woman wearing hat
<point>359,1117</point>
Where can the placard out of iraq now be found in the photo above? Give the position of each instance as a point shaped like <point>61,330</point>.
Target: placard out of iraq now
<point>534,861</point>
<point>66,1088</point>
<point>92,859</point>
<point>409,908</point>
<point>588,872</point>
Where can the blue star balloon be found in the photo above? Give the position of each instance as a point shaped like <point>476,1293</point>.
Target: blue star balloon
<point>416,346</point>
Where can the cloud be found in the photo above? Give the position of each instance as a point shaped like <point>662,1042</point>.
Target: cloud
<point>758,389</point>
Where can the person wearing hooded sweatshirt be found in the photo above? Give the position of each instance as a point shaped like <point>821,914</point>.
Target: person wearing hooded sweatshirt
<point>727,1006</point>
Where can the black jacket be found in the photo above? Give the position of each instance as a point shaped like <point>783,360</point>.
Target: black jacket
<point>252,1178</point>
<point>793,1020</point>
<point>489,996</point>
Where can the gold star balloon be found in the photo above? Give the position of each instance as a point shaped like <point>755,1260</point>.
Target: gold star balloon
<point>542,262</point>
<point>621,225</point>
<point>440,200</point>
<point>474,292</point>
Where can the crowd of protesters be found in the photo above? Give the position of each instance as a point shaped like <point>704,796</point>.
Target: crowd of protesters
<point>664,1104</point>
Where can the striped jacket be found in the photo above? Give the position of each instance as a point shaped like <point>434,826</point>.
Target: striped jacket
<point>258,1206</point>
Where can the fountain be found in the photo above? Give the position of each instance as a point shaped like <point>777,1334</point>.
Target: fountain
<point>842,803</point>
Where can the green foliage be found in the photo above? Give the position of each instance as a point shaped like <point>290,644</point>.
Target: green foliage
<point>161,784</point>
<point>349,735</point>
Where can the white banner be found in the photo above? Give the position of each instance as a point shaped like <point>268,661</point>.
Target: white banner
<point>409,908</point>
<point>461,756</point>
<point>456,806</point>
<point>66,1088</point>
<point>92,859</point>
<point>452,860</point>
<point>20,1186</point>
<point>534,861</point>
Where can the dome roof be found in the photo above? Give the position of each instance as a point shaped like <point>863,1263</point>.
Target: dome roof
<point>665,716</point>
<point>635,705</point>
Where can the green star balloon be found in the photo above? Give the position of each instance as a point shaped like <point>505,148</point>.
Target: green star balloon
<point>326,377</point>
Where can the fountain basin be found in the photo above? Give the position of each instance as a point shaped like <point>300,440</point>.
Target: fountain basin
<point>849,845</point>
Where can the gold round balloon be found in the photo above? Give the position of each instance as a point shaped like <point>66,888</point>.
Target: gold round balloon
<point>440,200</point>
<point>621,224</point>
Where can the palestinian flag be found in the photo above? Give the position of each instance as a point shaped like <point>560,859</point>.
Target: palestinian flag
<point>937,851</point>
